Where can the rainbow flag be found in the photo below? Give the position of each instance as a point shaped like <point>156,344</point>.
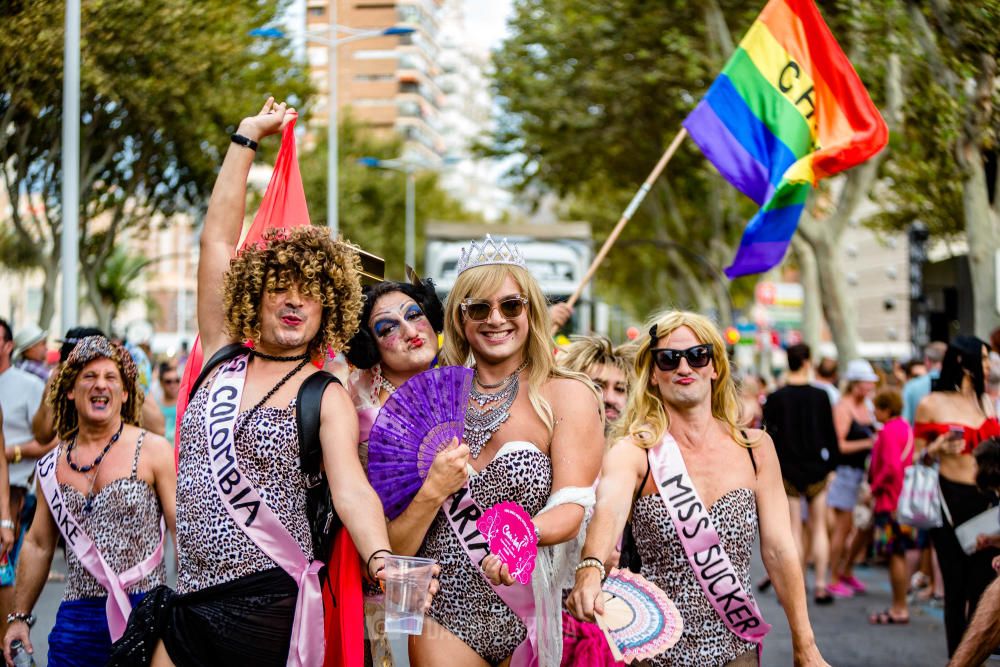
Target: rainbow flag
<point>787,110</point>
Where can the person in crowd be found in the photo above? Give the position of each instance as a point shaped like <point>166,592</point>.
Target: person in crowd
<point>248,585</point>
<point>607,366</point>
<point>827,376</point>
<point>950,422</point>
<point>918,387</point>
<point>170,384</point>
<point>104,468</point>
<point>892,453</point>
<point>20,395</point>
<point>799,419</point>
<point>685,463</point>
<point>750,398</point>
<point>535,433</point>
<point>398,339</point>
<point>42,424</point>
<point>914,368</point>
<point>855,425</point>
<point>983,635</point>
<point>30,351</point>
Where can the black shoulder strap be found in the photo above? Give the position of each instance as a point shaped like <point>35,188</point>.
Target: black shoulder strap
<point>753,461</point>
<point>307,417</point>
<point>223,354</point>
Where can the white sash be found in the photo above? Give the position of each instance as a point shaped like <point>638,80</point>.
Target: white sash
<point>118,606</point>
<point>248,510</point>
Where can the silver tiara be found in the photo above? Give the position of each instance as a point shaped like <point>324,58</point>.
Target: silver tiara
<point>490,252</point>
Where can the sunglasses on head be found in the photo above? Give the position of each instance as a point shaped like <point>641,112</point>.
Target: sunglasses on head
<point>667,359</point>
<point>479,310</point>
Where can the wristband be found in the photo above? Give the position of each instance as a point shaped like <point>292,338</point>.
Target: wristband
<point>368,565</point>
<point>243,141</point>
<point>590,561</point>
<point>6,523</point>
<point>27,619</point>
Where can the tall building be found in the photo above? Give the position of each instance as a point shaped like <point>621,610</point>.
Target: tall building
<point>390,83</point>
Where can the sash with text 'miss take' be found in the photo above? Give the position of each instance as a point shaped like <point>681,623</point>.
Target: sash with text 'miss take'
<point>787,110</point>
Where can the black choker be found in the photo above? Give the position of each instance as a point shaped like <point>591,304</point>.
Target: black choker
<point>271,357</point>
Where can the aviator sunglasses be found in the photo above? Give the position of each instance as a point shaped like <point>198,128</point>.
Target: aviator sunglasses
<point>667,359</point>
<point>479,310</point>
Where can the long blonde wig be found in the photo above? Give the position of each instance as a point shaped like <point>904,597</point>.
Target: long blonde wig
<point>645,420</point>
<point>482,282</point>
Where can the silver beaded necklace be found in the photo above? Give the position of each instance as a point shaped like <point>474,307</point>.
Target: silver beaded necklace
<point>482,421</point>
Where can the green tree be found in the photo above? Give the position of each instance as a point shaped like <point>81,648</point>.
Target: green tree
<point>372,202</point>
<point>163,83</point>
<point>115,285</point>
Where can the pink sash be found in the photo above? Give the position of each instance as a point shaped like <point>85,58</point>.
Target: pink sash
<point>700,540</point>
<point>462,513</point>
<point>118,607</point>
<point>255,518</point>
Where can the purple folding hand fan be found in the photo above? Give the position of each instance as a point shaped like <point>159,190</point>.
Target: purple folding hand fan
<point>419,420</point>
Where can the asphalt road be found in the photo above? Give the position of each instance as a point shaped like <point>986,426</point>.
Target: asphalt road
<point>842,631</point>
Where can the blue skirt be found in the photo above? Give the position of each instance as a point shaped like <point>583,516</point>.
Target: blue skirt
<point>80,637</point>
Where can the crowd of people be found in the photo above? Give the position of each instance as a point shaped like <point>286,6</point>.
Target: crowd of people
<point>652,456</point>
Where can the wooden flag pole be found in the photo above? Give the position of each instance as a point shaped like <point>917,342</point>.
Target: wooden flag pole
<point>627,215</point>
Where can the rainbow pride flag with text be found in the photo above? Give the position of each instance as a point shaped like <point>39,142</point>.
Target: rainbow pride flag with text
<point>787,110</point>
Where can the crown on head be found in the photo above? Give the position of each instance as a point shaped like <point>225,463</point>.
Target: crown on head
<point>489,251</point>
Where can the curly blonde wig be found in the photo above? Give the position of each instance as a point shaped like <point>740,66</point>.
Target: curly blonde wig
<point>645,420</point>
<point>324,269</point>
<point>87,350</point>
<point>481,283</point>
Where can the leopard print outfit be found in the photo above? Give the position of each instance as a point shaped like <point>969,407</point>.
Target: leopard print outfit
<point>211,548</point>
<point>125,504</point>
<point>706,641</point>
<point>466,604</point>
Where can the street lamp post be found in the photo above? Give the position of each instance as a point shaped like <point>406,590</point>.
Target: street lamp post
<point>70,243</point>
<point>333,150</point>
<point>409,167</point>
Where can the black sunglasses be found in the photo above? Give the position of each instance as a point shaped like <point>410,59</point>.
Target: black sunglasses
<point>478,310</point>
<point>667,359</point>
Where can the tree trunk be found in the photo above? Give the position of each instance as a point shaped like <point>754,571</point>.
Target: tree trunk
<point>839,310</point>
<point>50,281</point>
<point>812,307</point>
<point>984,241</point>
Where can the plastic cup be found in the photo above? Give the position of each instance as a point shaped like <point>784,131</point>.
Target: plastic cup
<point>406,583</point>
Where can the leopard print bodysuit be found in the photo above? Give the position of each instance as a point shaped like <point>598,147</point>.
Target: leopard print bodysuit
<point>211,547</point>
<point>466,604</point>
<point>705,641</point>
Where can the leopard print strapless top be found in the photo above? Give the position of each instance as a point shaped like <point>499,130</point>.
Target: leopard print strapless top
<point>124,523</point>
<point>211,548</point>
<point>705,641</point>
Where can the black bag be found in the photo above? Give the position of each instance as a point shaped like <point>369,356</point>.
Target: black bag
<point>630,557</point>
<point>323,519</point>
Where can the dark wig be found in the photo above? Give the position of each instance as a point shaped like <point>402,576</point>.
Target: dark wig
<point>363,350</point>
<point>964,355</point>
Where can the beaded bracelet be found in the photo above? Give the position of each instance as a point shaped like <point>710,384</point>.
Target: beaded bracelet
<point>590,561</point>
<point>28,619</point>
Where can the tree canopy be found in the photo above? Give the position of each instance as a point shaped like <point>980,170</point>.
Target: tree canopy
<point>163,84</point>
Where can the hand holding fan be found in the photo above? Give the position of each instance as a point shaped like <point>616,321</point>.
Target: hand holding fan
<point>419,420</point>
<point>639,619</point>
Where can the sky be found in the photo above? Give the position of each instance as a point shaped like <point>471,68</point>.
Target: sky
<point>486,21</point>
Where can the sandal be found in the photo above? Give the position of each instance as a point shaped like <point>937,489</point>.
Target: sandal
<point>886,618</point>
<point>822,597</point>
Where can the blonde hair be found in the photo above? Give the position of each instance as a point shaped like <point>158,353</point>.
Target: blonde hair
<point>482,282</point>
<point>645,420</point>
<point>585,352</point>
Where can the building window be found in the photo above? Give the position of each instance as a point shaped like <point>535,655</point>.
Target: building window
<point>317,11</point>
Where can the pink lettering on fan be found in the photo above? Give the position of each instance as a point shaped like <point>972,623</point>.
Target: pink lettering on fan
<point>511,534</point>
